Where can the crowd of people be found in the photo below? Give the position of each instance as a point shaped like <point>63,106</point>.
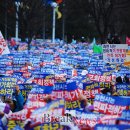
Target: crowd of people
<point>95,94</point>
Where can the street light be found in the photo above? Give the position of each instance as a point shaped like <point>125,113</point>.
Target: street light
<point>44,22</point>
<point>54,5</point>
<point>63,22</point>
<point>6,19</point>
<point>17,3</point>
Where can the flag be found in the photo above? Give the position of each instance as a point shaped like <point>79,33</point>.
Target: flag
<point>3,45</point>
<point>94,41</point>
<point>58,12</point>
<point>47,2</point>
<point>13,43</point>
<point>50,1</point>
<point>128,41</point>
<point>58,1</point>
<point>92,44</point>
<point>97,49</point>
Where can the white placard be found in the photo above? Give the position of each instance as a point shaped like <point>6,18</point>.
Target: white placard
<point>3,45</point>
<point>114,53</point>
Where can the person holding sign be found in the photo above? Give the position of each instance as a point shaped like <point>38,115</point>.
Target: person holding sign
<point>4,110</point>
<point>85,104</point>
<point>17,101</point>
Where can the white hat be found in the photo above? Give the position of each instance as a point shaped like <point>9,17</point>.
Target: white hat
<point>84,72</point>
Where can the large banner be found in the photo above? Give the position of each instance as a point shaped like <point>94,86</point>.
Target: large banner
<point>3,46</point>
<point>114,53</point>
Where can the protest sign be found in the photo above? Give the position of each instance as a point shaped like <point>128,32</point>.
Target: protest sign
<point>91,89</point>
<point>48,113</point>
<point>3,46</point>
<point>125,115</point>
<point>114,53</point>
<point>122,89</point>
<point>127,59</point>
<point>12,124</point>
<point>110,104</point>
<point>86,118</point>
<point>99,78</point>
<point>7,85</point>
<point>112,127</point>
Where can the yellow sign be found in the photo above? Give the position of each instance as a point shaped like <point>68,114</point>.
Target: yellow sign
<point>127,60</point>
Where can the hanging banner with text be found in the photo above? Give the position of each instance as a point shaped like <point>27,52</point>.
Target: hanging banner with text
<point>114,53</point>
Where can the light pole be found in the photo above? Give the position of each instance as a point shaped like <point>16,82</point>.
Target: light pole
<point>54,5</point>
<point>17,3</point>
<point>63,22</point>
<point>6,19</point>
<point>44,23</point>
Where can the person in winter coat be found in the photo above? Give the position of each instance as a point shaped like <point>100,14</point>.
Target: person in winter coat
<point>17,101</point>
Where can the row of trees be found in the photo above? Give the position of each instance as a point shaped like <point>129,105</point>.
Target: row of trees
<point>86,18</point>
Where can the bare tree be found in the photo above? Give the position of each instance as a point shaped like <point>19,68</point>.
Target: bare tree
<point>86,18</point>
<point>101,11</point>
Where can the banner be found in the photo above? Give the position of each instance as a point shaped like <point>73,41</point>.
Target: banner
<point>48,113</point>
<point>122,89</point>
<point>127,59</point>
<point>114,53</point>
<point>68,95</point>
<point>91,93</point>
<point>91,89</point>
<point>99,78</point>
<point>12,124</point>
<point>86,118</point>
<point>7,85</point>
<point>112,127</point>
<point>111,104</point>
<point>97,49</point>
<point>44,82</point>
<point>3,46</point>
<point>125,115</point>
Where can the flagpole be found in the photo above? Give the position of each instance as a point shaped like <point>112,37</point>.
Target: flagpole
<point>17,3</point>
<point>63,22</point>
<point>54,25</point>
<point>54,5</point>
